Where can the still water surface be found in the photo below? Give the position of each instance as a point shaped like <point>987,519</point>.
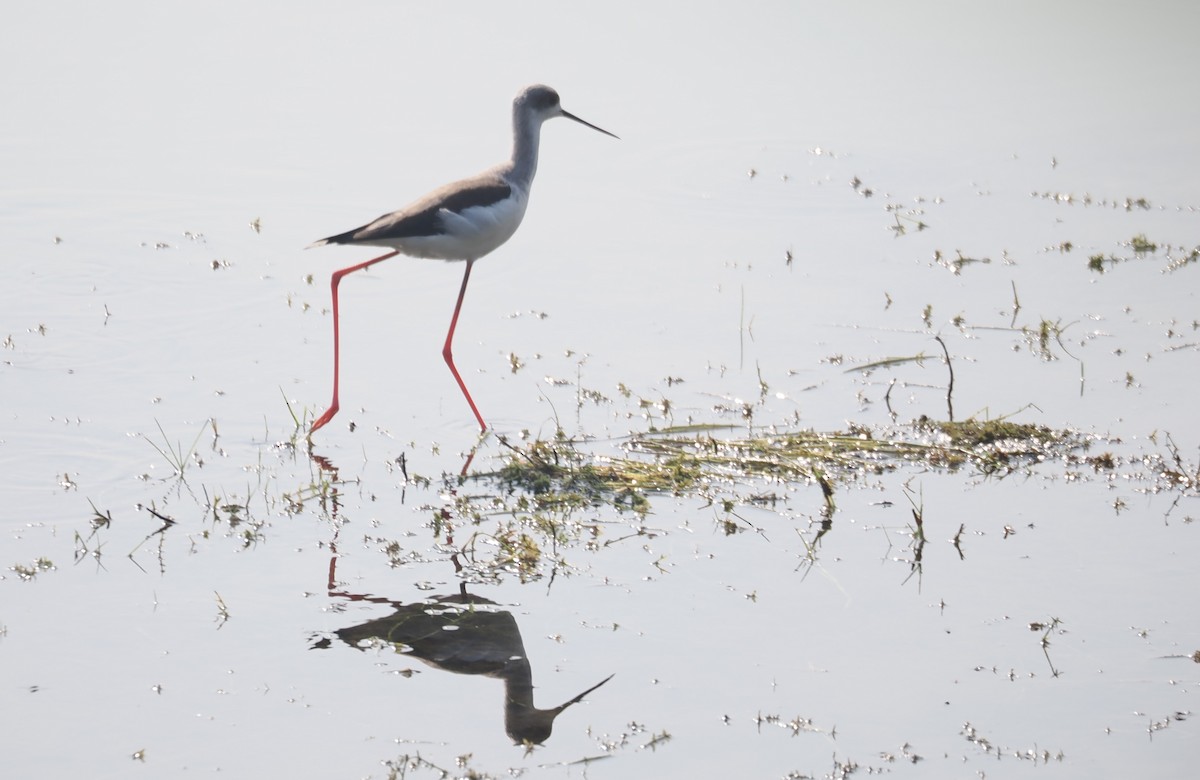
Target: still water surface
<point>799,190</point>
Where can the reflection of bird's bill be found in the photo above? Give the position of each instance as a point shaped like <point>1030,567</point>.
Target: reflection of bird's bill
<point>579,698</point>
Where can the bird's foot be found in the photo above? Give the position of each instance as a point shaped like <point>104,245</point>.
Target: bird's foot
<point>322,420</point>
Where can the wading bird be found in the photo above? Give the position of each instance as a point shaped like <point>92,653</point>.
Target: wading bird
<point>460,221</point>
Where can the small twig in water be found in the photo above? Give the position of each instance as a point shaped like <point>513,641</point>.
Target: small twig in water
<point>958,541</point>
<point>950,387</point>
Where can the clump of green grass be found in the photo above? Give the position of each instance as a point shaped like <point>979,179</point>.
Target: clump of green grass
<point>557,494</point>
<point>1142,245</point>
<point>555,472</point>
<point>1097,262</point>
<point>1040,338</point>
<point>999,446</point>
<point>675,462</point>
<point>976,433</point>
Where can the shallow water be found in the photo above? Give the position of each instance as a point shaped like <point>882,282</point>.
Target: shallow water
<point>143,316</point>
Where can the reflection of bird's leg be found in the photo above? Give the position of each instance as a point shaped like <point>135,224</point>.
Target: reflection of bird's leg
<point>446,516</point>
<point>483,436</point>
<point>330,501</point>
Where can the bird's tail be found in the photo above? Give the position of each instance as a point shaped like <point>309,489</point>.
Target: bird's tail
<point>340,238</point>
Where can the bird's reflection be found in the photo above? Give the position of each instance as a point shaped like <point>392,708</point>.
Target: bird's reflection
<point>461,633</point>
<point>466,634</point>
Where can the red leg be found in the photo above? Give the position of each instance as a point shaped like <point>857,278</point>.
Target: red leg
<point>449,356</point>
<point>337,278</point>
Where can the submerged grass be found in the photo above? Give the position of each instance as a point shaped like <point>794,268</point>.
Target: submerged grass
<point>693,462</point>
<point>558,493</point>
<point>559,496</point>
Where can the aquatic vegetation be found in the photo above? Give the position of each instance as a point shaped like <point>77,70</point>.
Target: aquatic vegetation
<point>1177,257</point>
<point>955,265</point>
<point>562,473</point>
<point>175,454</point>
<point>29,572</point>
<point>1041,339</point>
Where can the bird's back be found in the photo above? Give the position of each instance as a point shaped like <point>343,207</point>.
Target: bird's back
<point>460,221</point>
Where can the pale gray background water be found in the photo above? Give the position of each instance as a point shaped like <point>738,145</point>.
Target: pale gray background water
<point>130,125</point>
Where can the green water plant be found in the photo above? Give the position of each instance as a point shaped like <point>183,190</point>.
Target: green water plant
<point>175,454</point>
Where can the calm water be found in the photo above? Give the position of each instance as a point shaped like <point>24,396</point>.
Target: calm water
<point>874,146</point>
